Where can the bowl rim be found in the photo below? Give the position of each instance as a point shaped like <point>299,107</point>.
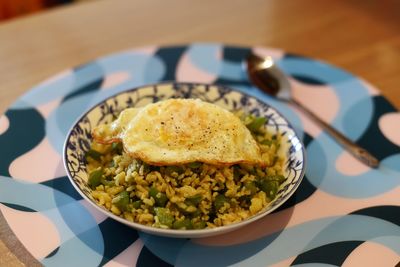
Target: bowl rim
<point>191,233</point>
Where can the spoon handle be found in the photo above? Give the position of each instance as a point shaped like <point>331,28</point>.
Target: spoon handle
<point>357,151</point>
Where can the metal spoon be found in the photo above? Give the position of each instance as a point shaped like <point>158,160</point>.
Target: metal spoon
<point>269,78</point>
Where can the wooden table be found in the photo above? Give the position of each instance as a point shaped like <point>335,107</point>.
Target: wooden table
<point>360,36</point>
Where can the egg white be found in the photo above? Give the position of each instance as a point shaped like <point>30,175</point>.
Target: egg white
<point>178,131</point>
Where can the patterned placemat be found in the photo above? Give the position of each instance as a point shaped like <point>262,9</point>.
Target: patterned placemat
<point>342,214</point>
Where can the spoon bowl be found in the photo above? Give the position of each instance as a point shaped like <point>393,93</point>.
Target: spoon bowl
<point>264,73</point>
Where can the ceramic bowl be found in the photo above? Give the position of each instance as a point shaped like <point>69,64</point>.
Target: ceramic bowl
<point>79,138</point>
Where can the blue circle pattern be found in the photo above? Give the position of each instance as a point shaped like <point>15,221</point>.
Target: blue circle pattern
<point>80,89</point>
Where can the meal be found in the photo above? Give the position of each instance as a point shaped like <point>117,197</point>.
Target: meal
<point>184,164</point>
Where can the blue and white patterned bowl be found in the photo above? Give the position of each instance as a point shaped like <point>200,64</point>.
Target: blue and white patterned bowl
<point>79,139</point>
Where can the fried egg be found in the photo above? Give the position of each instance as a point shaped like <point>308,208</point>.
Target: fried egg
<point>179,131</point>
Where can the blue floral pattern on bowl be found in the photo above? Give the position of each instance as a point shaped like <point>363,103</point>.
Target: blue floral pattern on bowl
<point>79,139</point>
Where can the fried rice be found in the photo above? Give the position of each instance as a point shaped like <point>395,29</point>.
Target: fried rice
<point>189,196</point>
